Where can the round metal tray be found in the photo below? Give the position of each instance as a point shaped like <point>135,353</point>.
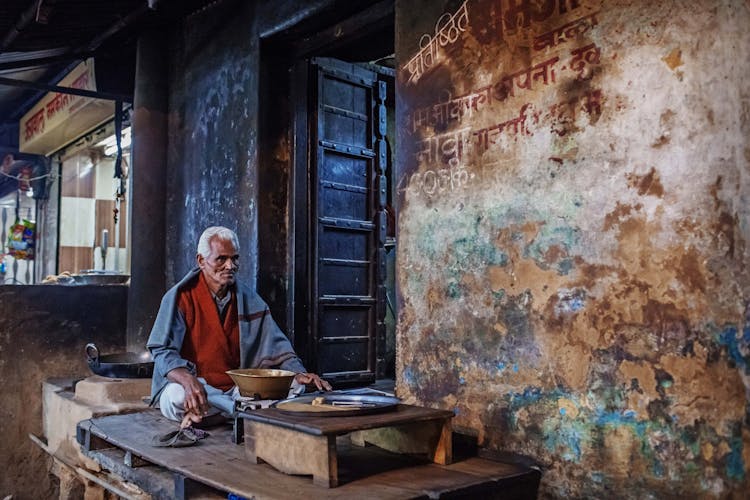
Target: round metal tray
<point>100,278</point>
<point>336,405</point>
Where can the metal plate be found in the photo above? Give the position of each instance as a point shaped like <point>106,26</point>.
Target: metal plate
<point>100,278</point>
<point>337,405</point>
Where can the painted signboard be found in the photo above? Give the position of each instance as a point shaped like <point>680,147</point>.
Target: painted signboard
<point>58,119</point>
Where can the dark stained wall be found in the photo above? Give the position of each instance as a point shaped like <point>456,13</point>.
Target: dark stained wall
<point>212,154</point>
<point>222,168</point>
<point>43,332</point>
<point>573,227</point>
<point>213,157</point>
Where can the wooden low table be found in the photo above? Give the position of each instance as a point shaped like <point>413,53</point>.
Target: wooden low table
<point>302,444</point>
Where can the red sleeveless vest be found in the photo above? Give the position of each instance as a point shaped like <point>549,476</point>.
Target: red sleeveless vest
<point>213,347</point>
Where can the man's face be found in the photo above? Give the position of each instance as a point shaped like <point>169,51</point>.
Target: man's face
<point>219,267</point>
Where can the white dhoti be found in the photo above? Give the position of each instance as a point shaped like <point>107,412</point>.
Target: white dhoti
<point>172,399</point>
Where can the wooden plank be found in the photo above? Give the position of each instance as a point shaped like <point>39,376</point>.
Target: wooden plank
<point>185,487</point>
<point>157,481</point>
<point>133,433</point>
<point>88,440</point>
<point>443,452</point>
<point>134,460</point>
<point>484,468</point>
<point>293,452</point>
<point>249,439</point>
<point>363,472</point>
<point>430,438</point>
<point>508,482</point>
<point>402,414</point>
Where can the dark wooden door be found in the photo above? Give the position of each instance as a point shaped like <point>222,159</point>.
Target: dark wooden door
<point>347,224</point>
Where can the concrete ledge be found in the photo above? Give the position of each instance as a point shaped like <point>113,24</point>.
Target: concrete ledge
<point>104,391</point>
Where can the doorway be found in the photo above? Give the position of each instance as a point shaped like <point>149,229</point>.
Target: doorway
<point>327,110</point>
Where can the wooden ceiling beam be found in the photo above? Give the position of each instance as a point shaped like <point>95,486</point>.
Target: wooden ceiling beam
<point>65,90</point>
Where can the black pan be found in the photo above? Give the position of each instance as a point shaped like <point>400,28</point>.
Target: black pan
<point>121,365</point>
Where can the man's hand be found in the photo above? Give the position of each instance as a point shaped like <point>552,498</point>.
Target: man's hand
<point>196,401</point>
<point>309,378</point>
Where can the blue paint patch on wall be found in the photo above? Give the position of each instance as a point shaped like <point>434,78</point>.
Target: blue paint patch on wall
<point>408,375</point>
<point>570,301</point>
<point>573,437</point>
<point>563,237</point>
<point>565,266</point>
<point>624,418</point>
<point>567,436</point>
<point>735,463</point>
<point>576,304</point>
<point>476,251</point>
<point>658,468</point>
<point>567,439</point>
<point>471,248</point>
<point>529,397</point>
<point>738,347</point>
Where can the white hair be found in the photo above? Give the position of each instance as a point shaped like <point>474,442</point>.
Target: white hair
<point>221,232</point>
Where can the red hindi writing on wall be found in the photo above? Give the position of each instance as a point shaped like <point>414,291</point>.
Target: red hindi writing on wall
<point>565,32</point>
<point>521,13</point>
<point>34,125</point>
<point>455,146</point>
<point>539,75</point>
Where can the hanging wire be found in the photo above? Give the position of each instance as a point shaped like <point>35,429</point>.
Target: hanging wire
<point>29,179</point>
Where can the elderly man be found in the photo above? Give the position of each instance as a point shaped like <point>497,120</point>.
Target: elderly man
<point>209,323</point>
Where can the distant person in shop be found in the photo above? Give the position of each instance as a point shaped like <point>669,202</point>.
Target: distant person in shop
<point>209,323</point>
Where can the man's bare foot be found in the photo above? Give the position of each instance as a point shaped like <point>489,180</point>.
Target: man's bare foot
<point>189,419</point>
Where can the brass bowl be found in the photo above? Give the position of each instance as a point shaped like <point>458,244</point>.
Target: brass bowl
<point>261,383</point>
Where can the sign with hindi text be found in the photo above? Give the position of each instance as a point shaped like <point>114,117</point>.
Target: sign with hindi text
<point>58,119</point>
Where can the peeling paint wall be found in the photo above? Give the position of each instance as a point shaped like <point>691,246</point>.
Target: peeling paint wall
<point>572,250</point>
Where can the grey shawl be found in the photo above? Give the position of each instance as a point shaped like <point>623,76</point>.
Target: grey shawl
<point>262,343</point>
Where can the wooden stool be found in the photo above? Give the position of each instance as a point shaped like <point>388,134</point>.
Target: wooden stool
<point>297,444</point>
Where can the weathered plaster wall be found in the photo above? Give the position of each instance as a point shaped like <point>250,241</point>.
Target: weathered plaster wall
<point>212,153</point>
<point>573,228</point>
<point>43,331</point>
